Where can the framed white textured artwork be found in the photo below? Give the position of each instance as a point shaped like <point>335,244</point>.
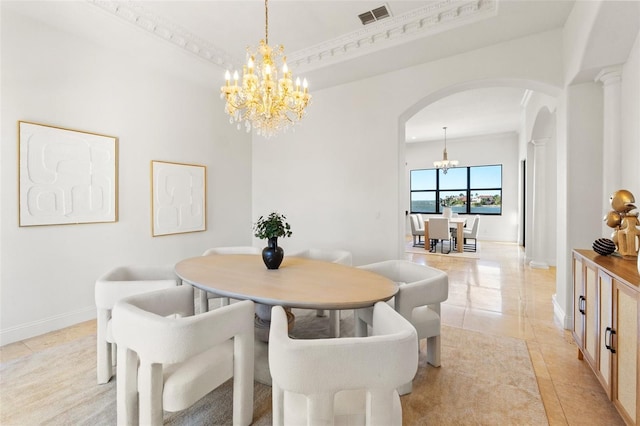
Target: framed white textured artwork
<point>178,199</point>
<point>66,176</point>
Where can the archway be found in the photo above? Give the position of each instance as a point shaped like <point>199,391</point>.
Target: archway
<point>440,94</point>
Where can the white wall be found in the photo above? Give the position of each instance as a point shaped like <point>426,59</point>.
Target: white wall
<point>477,151</point>
<point>581,129</point>
<point>340,177</point>
<point>630,121</point>
<point>53,77</point>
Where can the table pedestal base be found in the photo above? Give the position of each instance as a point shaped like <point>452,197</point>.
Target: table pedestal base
<point>261,372</point>
<point>262,321</point>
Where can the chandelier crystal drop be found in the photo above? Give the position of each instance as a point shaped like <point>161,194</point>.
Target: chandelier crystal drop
<point>445,164</point>
<point>263,100</point>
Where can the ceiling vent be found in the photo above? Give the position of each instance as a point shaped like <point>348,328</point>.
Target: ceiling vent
<point>374,15</point>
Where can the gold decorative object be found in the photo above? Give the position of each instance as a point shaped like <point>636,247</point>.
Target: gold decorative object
<point>624,219</point>
<point>264,101</point>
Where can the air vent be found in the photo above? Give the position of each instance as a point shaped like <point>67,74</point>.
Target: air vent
<point>374,15</point>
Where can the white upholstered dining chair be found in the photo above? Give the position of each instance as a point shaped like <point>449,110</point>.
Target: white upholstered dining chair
<point>204,296</point>
<point>169,358</point>
<point>342,381</point>
<point>117,283</point>
<point>439,232</point>
<point>342,257</point>
<point>472,234</point>
<point>417,230</point>
<point>421,289</point>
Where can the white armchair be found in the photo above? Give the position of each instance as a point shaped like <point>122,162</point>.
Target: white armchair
<point>421,290</point>
<point>342,381</point>
<point>169,358</point>
<point>342,257</point>
<point>204,296</point>
<point>122,282</point>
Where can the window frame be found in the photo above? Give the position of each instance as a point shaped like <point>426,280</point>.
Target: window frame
<point>467,191</point>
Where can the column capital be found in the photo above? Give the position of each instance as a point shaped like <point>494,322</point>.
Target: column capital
<point>610,75</point>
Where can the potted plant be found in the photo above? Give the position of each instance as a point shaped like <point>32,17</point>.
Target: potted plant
<point>270,228</point>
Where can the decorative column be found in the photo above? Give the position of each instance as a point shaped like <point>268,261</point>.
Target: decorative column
<point>538,222</point>
<point>611,143</point>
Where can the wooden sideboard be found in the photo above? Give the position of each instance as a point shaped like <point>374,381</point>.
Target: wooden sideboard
<point>606,325</point>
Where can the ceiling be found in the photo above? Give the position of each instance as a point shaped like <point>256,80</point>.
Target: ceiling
<point>326,42</point>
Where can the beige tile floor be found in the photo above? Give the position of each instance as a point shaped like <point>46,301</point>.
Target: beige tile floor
<point>496,294</point>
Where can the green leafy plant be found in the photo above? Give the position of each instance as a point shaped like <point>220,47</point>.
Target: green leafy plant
<point>272,226</point>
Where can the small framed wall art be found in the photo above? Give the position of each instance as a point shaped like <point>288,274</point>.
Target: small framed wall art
<point>66,176</point>
<point>178,199</point>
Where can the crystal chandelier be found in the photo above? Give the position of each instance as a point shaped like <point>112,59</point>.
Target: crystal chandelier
<point>445,164</point>
<point>264,101</point>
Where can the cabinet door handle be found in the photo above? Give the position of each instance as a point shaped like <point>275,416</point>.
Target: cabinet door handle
<point>608,337</point>
<point>581,305</point>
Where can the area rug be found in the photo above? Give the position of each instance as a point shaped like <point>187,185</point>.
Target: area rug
<point>409,248</point>
<point>483,380</point>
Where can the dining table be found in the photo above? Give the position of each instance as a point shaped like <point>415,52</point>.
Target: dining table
<point>298,283</point>
<point>459,223</point>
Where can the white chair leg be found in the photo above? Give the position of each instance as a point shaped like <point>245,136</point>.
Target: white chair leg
<point>405,389</point>
<point>150,394</point>
<point>104,356</point>
<point>204,301</point>
<point>127,388</point>
<point>114,354</point>
<point>360,326</point>
<point>433,351</point>
<point>277,403</point>
<point>243,373</point>
<point>334,323</point>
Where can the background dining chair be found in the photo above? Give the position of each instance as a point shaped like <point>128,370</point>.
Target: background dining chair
<point>421,289</point>
<point>342,257</point>
<point>417,230</point>
<point>117,283</point>
<point>471,234</point>
<point>439,232</point>
<point>169,358</point>
<point>205,296</point>
<point>342,381</point>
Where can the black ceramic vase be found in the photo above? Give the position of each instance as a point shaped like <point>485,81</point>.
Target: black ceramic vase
<point>272,255</point>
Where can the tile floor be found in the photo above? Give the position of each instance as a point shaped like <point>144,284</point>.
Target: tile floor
<point>496,294</point>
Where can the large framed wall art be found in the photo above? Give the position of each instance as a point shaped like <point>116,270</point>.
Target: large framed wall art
<point>178,199</point>
<point>66,176</point>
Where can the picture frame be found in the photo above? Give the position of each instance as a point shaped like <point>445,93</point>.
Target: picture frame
<point>66,176</point>
<point>178,198</point>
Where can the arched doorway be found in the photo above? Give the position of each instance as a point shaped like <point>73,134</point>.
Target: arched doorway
<point>436,95</point>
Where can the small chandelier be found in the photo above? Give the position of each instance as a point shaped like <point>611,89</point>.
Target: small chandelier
<point>264,101</point>
<point>445,164</point>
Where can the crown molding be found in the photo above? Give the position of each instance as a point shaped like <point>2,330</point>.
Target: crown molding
<point>418,23</point>
<point>137,15</point>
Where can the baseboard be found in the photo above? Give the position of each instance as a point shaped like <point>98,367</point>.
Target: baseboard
<point>561,315</point>
<point>36,328</point>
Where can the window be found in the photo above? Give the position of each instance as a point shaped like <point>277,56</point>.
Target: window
<point>467,190</point>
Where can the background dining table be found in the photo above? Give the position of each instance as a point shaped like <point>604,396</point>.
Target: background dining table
<point>459,222</point>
